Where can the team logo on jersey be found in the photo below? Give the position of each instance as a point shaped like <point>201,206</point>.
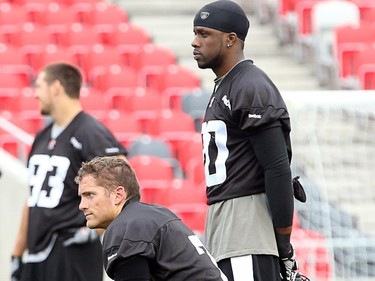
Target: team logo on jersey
<point>254,116</point>
<point>112,150</point>
<point>51,144</point>
<point>204,15</point>
<point>76,143</point>
<point>226,102</point>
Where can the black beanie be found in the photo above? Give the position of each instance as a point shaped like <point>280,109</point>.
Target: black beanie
<point>223,15</point>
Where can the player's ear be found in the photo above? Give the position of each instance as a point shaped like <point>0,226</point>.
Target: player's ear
<point>56,85</point>
<point>120,194</point>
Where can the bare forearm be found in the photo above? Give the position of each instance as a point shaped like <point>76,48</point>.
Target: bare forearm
<point>21,240</point>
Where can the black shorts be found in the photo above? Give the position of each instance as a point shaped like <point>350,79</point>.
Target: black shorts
<point>74,263</point>
<point>251,267</point>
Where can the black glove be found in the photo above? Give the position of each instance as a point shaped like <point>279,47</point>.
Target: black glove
<point>16,268</point>
<point>288,267</point>
<point>81,236</point>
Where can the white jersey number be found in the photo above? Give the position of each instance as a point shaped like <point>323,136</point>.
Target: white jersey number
<point>52,169</point>
<point>202,250</point>
<point>215,130</point>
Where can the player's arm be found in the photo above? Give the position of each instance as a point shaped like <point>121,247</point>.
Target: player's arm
<point>270,149</point>
<point>132,269</point>
<point>21,239</point>
<point>20,245</point>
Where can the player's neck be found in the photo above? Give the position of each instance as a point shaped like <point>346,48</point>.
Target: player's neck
<point>65,114</point>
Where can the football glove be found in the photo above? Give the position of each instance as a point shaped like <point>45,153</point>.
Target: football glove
<point>288,266</point>
<point>81,236</point>
<point>16,268</point>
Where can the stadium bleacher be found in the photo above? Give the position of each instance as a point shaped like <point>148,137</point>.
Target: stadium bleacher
<point>124,67</point>
<point>310,26</point>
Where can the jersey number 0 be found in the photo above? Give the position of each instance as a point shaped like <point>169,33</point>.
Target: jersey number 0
<point>214,134</point>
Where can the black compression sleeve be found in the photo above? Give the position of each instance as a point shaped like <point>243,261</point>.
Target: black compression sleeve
<point>132,269</point>
<point>270,149</point>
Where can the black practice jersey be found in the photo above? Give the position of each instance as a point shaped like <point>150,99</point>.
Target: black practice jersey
<point>53,165</point>
<point>245,102</point>
<point>153,232</point>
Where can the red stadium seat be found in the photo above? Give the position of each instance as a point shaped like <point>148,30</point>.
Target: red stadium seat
<point>152,55</point>
<point>145,104</point>
<point>312,252</point>
<point>123,125</point>
<point>98,56</point>
<point>286,6</point>
<point>154,175</point>
<point>366,76</point>
<point>366,8</point>
<point>30,123</point>
<point>128,34</point>
<point>80,36</point>
<point>194,170</point>
<point>184,192</point>
<point>94,101</point>
<point>12,14</point>
<point>136,99</point>
<point>56,15</point>
<point>111,76</point>
<point>149,167</point>
<point>128,39</point>
<point>53,54</point>
<point>349,41</point>
<point>172,76</point>
<point>193,215</point>
<point>33,37</point>
<point>190,150</point>
<point>11,78</point>
<point>303,10</point>
<point>8,98</point>
<point>11,55</point>
<point>365,68</point>
<point>104,13</point>
<point>188,201</point>
<point>172,81</point>
<point>26,102</point>
<point>172,125</point>
<point>14,147</point>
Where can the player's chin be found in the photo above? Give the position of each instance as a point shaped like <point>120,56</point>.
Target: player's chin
<point>91,224</point>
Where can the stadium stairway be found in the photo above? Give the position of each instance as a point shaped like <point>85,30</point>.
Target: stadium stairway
<point>169,23</point>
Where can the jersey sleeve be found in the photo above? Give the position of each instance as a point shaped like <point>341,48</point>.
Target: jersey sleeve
<point>97,140</point>
<point>257,105</point>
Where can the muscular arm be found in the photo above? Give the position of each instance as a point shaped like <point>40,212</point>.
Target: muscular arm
<point>270,149</point>
<point>21,239</point>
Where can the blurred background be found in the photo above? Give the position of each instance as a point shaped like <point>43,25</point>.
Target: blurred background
<point>143,84</point>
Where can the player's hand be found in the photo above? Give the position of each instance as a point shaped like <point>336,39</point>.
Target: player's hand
<point>288,266</point>
<point>16,268</point>
<point>81,236</point>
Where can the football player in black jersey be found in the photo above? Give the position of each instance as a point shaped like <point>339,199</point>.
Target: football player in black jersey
<point>247,153</point>
<point>141,241</point>
<point>53,230</point>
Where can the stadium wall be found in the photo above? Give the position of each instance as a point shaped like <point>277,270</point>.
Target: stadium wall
<point>13,190</point>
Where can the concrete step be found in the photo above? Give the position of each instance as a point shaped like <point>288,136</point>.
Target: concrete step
<point>169,23</point>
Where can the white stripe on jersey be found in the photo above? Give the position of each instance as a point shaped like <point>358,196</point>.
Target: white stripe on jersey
<point>242,268</point>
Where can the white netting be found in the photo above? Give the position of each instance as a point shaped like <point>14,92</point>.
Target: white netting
<point>333,137</point>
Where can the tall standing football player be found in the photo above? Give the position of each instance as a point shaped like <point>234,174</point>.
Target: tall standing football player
<point>247,153</point>
<point>142,242</point>
<point>53,242</point>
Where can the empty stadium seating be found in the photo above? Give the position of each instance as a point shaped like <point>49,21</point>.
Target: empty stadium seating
<point>349,42</point>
